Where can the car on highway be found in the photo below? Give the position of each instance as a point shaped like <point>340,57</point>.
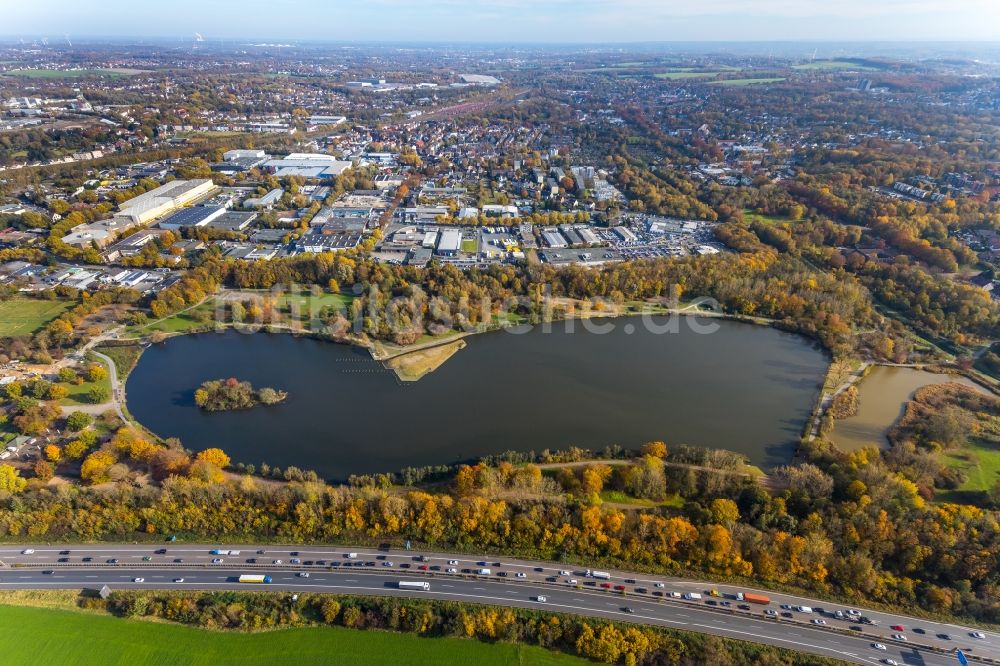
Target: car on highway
<point>620,588</point>
<point>303,574</point>
<point>977,634</point>
<point>276,562</point>
<point>113,561</point>
<point>217,560</point>
<point>521,574</point>
<point>28,551</point>
<point>744,607</point>
<point>819,621</point>
<point>674,595</point>
<point>944,637</point>
<point>147,558</point>
<point>138,580</point>
<point>178,580</point>
<point>48,572</point>
<point>453,562</point>
<point>564,573</point>
<point>897,627</point>
<point>178,560</point>
<point>899,637</point>
<point>387,563</point>
<point>658,585</point>
<point>606,586</point>
<point>541,599</point>
<point>88,559</point>
<point>451,570</point>
<point>423,567</point>
<point>571,581</point>
<point>890,662</point>
<point>627,609</point>
<point>295,560</point>
<point>879,646</point>
<point>770,611</point>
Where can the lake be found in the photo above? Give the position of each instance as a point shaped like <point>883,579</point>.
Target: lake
<point>882,397</point>
<point>745,388</point>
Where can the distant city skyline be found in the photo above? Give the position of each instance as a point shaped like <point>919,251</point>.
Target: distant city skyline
<point>513,21</point>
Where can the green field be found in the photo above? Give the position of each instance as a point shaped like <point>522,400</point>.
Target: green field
<point>469,246</point>
<point>40,636</point>
<point>678,75</point>
<point>23,316</point>
<point>735,83</point>
<point>198,317</point>
<point>834,64</point>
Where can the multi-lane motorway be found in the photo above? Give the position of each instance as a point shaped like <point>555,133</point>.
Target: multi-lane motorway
<point>629,597</point>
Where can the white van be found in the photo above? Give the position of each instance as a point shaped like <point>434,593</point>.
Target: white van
<point>484,572</point>
<point>692,596</point>
<point>804,609</point>
<point>352,556</point>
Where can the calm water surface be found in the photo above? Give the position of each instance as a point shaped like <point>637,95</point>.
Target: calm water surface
<point>744,388</point>
<point>882,396</point>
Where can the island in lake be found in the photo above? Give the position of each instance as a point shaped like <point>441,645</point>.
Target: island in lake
<point>221,395</point>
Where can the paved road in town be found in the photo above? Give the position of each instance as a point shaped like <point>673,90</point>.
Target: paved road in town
<point>331,570</point>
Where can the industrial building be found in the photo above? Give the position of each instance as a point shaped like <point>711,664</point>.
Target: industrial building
<point>318,166</point>
<point>450,242</point>
<point>164,199</point>
<point>266,201</point>
<point>197,216</point>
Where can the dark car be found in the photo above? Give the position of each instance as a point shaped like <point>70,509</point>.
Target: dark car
<point>641,590</point>
<point>944,637</point>
<point>113,561</point>
<point>627,609</point>
<point>48,572</point>
<point>178,560</point>
<point>918,630</point>
<point>63,559</point>
<point>294,553</point>
<point>252,560</point>
<point>88,559</point>
<point>502,574</point>
<point>630,581</point>
<point>64,552</point>
<point>743,607</point>
<point>787,614</point>
<point>261,551</point>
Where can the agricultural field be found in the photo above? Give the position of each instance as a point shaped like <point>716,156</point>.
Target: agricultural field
<point>679,75</point>
<point>736,83</point>
<point>834,65</point>
<point>45,636</point>
<point>24,316</point>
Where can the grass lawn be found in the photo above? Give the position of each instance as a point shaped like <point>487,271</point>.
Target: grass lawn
<point>469,245</point>
<point>79,393</point>
<point>307,303</point>
<point>43,636</point>
<point>125,358</point>
<point>178,323</point>
<point>734,83</point>
<point>980,461</point>
<point>618,497</point>
<point>25,316</point>
<point>751,216</point>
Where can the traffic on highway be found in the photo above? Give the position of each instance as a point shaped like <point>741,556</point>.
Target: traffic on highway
<point>823,628</point>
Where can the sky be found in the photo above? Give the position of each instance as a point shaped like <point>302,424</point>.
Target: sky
<point>510,21</point>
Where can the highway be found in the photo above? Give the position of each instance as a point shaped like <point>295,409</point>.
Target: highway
<point>642,599</point>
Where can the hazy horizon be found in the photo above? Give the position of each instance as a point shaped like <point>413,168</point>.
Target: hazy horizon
<point>516,21</point>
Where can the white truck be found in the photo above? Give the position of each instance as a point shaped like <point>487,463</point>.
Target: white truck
<point>601,575</point>
<point>351,556</point>
<point>484,572</point>
<point>692,596</point>
<point>414,585</point>
<point>218,551</point>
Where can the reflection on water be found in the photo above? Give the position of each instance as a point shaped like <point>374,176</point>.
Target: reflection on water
<point>883,395</point>
<point>744,388</point>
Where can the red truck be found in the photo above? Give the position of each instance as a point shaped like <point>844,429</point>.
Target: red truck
<point>754,598</point>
